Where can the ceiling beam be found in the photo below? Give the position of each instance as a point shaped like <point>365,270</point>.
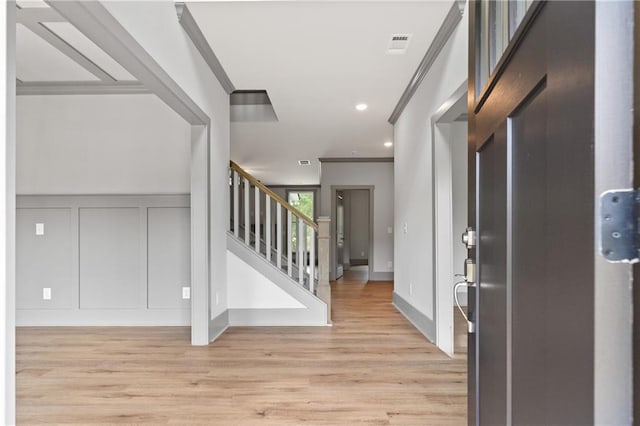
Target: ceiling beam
<point>64,47</point>
<point>34,18</point>
<point>442,36</point>
<point>37,14</point>
<point>95,22</point>
<point>80,88</point>
<point>192,29</point>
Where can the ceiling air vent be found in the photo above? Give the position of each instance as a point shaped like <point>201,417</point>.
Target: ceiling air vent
<point>304,162</point>
<point>398,44</point>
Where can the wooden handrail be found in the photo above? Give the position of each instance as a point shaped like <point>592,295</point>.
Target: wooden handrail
<point>273,195</point>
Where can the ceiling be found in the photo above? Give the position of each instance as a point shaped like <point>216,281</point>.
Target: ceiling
<point>316,60</point>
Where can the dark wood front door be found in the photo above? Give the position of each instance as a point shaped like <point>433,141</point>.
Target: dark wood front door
<point>531,127</point>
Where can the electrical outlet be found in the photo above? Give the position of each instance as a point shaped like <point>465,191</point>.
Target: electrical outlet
<point>390,264</point>
<point>46,293</point>
<point>361,253</point>
<point>410,289</point>
<point>186,292</point>
<point>389,230</point>
<point>406,227</point>
<point>39,228</point>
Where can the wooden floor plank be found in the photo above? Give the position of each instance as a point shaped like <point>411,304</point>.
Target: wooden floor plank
<point>371,368</point>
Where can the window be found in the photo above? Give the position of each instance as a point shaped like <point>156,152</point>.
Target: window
<point>498,22</point>
<point>304,202</point>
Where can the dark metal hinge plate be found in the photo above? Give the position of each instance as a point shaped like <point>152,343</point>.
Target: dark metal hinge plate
<point>619,226</point>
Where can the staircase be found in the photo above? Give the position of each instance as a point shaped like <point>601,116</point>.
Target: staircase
<point>263,222</point>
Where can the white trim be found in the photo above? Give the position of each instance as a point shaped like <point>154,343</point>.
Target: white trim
<point>200,232</point>
<point>7,213</point>
<point>192,29</point>
<point>81,88</point>
<point>613,157</point>
<point>442,247</point>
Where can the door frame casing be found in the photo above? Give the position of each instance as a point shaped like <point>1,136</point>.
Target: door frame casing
<point>613,145</point>
<point>334,214</point>
<point>443,249</point>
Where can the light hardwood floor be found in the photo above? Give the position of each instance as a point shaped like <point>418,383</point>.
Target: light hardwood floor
<point>371,367</point>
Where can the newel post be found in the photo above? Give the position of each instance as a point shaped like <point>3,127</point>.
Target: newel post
<point>324,289</point>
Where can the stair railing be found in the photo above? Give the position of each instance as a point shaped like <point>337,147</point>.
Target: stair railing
<point>300,261</point>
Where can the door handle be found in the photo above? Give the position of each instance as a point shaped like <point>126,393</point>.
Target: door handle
<point>471,327</point>
<point>469,281</point>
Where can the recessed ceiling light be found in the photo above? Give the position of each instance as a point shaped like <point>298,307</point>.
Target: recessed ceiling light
<point>362,107</point>
<point>304,162</point>
<point>388,144</point>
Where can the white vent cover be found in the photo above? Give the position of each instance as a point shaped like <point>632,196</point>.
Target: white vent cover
<point>398,44</point>
<point>304,162</point>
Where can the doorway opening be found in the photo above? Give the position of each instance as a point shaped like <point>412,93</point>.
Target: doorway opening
<point>353,237</point>
<point>449,157</point>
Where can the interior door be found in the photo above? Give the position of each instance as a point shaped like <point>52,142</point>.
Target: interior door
<point>531,133</point>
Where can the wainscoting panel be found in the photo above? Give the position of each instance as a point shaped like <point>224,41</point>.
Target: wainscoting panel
<point>169,269</point>
<point>110,264</point>
<point>108,259</point>
<point>44,258</point>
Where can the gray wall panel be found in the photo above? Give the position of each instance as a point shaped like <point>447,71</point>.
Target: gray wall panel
<point>105,258</point>
<point>44,260</point>
<point>169,260</point>
<point>109,258</point>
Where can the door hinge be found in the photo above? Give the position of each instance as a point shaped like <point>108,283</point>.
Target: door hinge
<point>619,226</point>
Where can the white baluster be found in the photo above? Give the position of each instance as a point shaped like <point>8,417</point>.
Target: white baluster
<point>289,245</point>
<point>267,225</point>
<point>257,220</point>
<point>247,217</point>
<point>301,240</point>
<point>312,260</point>
<point>279,235</point>
<point>236,205</point>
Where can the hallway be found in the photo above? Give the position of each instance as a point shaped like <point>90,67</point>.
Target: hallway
<point>371,367</point>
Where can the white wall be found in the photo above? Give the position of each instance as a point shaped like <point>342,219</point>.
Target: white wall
<point>379,175</point>
<point>165,40</point>
<point>249,289</point>
<point>413,173</point>
<point>101,144</point>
